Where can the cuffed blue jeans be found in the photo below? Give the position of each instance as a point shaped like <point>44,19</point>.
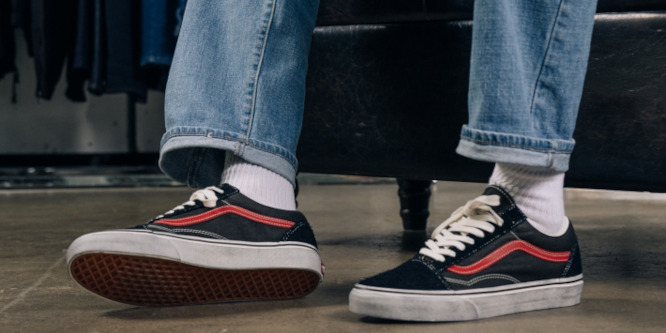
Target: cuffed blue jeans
<point>237,83</point>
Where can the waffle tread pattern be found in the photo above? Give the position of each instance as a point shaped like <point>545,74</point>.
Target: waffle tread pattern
<point>147,281</point>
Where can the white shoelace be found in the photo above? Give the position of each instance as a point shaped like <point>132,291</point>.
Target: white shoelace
<point>475,217</point>
<point>206,196</point>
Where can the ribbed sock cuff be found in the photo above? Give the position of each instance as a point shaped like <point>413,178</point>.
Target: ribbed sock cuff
<point>258,183</point>
<point>538,192</point>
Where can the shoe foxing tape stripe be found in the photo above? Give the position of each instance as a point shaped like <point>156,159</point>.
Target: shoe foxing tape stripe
<point>505,250</point>
<point>213,213</point>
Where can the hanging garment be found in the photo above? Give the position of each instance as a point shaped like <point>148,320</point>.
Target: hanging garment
<point>21,20</point>
<point>123,48</point>
<point>180,11</point>
<point>52,29</point>
<point>81,57</point>
<point>99,41</point>
<point>160,22</point>
<point>7,42</point>
<point>158,40</point>
<point>97,77</point>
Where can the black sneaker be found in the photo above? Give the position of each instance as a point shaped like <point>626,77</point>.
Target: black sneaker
<point>486,260</point>
<point>219,246</point>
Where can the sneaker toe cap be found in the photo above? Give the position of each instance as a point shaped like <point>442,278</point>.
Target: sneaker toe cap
<point>412,275</point>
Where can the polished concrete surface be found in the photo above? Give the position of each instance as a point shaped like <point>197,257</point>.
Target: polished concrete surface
<point>622,234</point>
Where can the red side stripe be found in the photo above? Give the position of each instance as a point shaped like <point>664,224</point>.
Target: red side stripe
<point>213,213</point>
<point>505,250</point>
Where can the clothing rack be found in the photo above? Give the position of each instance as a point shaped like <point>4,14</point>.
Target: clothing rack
<point>105,46</point>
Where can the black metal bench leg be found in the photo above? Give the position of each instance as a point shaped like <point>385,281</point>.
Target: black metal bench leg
<point>414,199</point>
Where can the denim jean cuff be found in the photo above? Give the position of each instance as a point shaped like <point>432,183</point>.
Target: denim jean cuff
<point>498,147</point>
<point>195,157</point>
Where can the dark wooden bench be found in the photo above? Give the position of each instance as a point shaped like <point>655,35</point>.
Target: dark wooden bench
<point>387,95</point>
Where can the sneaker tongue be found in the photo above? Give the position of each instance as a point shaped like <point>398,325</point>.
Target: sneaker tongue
<point>507,208</point>
<point>496,190</point>
<point>228,189</point>
<point>505,199</point>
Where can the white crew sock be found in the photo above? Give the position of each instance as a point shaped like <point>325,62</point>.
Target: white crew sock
<point>258,183</point>
<point>538,192</point>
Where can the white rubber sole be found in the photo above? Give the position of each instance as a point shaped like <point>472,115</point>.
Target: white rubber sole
<point>155,269</point>
<point>207,253</point>
<point>474,304</point>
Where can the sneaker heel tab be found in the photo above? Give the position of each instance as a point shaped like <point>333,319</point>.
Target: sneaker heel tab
<point>505,197</point>
<point>507,208</point>
<point>228,190</point>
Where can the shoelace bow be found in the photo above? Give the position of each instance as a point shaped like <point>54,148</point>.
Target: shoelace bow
<point>475,217</point>
<point>206,196</point>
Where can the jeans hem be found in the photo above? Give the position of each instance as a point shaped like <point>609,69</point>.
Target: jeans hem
<point>498,147</point>
<point>195,156</point>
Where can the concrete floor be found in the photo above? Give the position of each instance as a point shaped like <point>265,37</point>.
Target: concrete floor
<point>360,234</point>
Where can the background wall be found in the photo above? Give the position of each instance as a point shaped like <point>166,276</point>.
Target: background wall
<point>59,126</point>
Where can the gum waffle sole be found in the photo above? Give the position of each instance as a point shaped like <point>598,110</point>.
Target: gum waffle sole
<point>146,281</point>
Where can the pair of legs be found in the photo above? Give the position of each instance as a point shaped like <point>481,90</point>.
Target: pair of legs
<point>237,84</point>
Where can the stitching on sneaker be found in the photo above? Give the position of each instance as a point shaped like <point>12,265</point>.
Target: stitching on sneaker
<point>188,230</point>
<point>438,273</point>
<point>574,250</point>
<point>291,231</point>
<point>483,278</point>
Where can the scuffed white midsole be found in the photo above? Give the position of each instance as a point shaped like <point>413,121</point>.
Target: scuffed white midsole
<point>467,305</point>
<point>202,252</point>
